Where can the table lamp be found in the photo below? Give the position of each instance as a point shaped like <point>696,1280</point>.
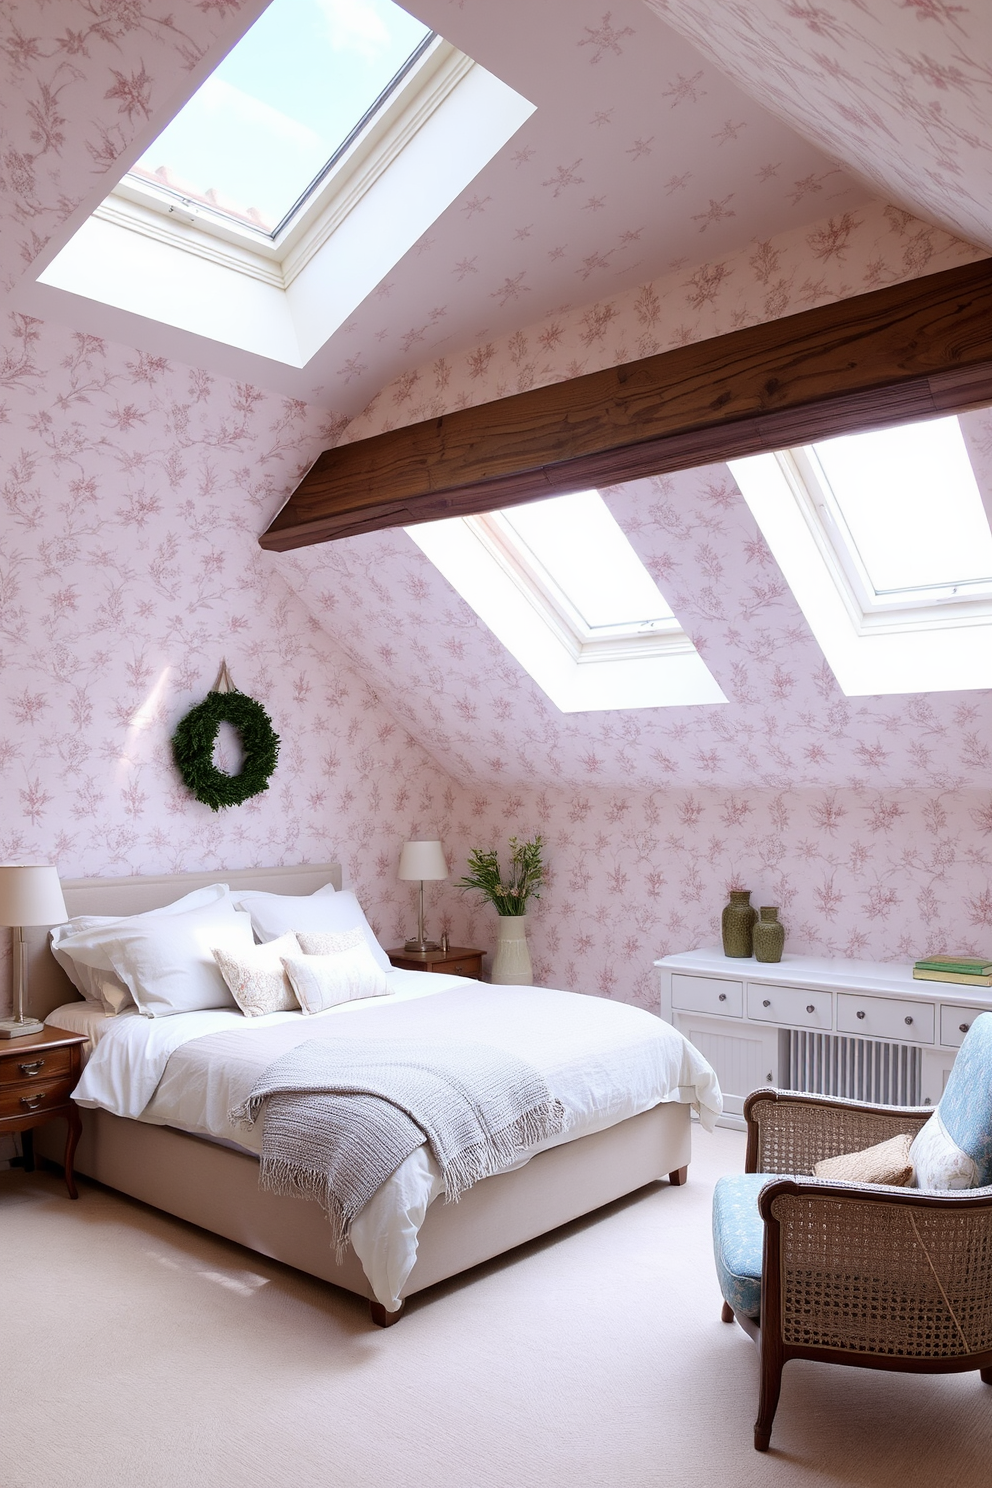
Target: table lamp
<point>422,860</point>
<point>28,896</point>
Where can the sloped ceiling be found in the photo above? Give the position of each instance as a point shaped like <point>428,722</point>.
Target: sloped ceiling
<point>640,156</point>
<point>898,91</point>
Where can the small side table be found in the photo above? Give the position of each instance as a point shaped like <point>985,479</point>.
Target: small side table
<point>456,961</point>
<point>37,1074</point>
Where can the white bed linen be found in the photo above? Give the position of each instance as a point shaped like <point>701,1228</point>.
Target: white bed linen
<point>606,1061</point>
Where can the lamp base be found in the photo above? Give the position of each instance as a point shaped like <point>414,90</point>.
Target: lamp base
<point>20,1027</point>
<point>413,944</point>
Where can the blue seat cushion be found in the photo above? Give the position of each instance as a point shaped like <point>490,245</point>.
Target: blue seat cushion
<point>738,1239</point>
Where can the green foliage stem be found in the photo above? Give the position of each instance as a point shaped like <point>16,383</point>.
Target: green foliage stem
<point>524,881</point>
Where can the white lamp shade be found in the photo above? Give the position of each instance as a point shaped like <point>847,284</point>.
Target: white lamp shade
<point>31,895</point>
<point>422,860</point>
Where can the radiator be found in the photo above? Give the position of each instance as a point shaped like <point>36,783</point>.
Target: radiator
<point>860,1069</point>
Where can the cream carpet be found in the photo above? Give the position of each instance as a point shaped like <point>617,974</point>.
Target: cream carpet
<point>141,1352</point>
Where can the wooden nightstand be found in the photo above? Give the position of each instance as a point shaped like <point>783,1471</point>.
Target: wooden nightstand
<point>456,961</point>
<point>36,1075</point>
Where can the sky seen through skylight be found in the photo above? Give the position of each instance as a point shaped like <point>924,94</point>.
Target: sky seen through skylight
<point>268,119</point>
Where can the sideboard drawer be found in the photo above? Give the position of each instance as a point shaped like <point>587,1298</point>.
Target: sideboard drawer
<point>955,1022</point>
<point>708,995</point>
<point>790,1005</point>
<point>886,1018</point>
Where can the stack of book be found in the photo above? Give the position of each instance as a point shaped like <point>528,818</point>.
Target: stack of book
<point>975,971</point>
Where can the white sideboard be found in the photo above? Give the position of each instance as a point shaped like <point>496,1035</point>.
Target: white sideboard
<point>865,1029</point>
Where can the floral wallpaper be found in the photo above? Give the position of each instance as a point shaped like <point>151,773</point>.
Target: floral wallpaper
<point>896,90</point>
<point>132,490</point>
<point>131,495</point>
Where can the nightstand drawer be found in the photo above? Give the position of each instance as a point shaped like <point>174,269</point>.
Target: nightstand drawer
<point>470,967</point>
<point>708,995</point>
<point>886,1018</point>
<point>790,1005</point>
<point>34,1064</point>
<point>45,1095</point>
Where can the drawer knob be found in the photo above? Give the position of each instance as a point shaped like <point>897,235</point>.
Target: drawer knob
<point>963,1027</point>
<point>860,1014</point>
<point>811,1007</point>
<point>31,1067</point>
<point>908,1020</point>
<point>723,997</point>
<point>32,1100</point>
<point>766,1003</point>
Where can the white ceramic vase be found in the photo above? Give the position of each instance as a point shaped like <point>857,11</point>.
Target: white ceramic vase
<point>511,963</point>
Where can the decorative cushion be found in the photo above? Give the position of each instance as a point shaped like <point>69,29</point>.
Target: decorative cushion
<point>886,1162</point>
<point>324,912</point>
<point>938,1161</point>
<point>965,1117</point>
<point>168,964</point>
<point>257,977</point>
<point>80,947</point>
<point>334,968</point>
<point>739,1238</point>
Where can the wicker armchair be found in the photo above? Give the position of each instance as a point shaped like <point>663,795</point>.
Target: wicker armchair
<point>875,1276</point>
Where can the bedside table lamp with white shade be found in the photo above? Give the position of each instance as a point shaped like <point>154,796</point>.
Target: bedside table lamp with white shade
<point>422,860</point>
<point>29,895</point>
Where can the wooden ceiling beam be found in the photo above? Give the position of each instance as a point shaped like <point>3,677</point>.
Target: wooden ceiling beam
<point>904,352</point>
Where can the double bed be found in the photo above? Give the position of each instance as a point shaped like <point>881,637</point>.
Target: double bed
<point>156,1094</point>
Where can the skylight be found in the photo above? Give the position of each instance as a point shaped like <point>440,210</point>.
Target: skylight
<point>885,542</point>
<point>560,585</point>
<point>258,135</point>
<point>907,507</point>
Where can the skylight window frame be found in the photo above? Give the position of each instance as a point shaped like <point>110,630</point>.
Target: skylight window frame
<point>584,642</point>
<point>918,607</point>
<point>434,72</point>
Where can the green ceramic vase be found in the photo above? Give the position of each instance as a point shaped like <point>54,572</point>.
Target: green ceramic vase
<point>737,923</point>
<point>768,935</point>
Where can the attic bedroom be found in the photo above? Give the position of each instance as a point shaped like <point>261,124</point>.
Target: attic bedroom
<point>294,292</point>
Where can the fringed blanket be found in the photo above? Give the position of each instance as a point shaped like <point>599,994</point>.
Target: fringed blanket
<point>340,1116</point>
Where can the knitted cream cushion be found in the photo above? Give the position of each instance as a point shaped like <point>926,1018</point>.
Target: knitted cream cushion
<point>886,1162</point>
<point>336,966</point>
<point>256,977</point>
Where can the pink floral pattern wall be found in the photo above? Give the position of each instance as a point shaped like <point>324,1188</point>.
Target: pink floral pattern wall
<point>132,495</point>
<point>866,819</point>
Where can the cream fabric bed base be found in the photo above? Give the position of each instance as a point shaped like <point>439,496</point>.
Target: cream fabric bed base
<point>217,1188</point>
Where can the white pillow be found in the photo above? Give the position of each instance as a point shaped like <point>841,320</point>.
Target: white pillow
<point>324,912</point>
<point>257,978</point>
<point>80,947</point>
<point>938,1161</point>
<point>334,968</point>
<point>168,964</point>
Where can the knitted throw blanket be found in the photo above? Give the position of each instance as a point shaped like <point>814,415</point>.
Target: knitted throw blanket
<point>341,1115</point>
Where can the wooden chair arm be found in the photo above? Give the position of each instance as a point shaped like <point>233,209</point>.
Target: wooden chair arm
<point>788,1131</point>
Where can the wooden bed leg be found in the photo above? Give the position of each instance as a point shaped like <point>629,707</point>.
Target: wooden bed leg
<point>727,1315</point>
<point>986,1376</point>
<point>381,1317</point>
<point>679,1176</point>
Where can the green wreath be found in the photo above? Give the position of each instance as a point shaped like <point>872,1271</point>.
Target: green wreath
<point>193,749</point>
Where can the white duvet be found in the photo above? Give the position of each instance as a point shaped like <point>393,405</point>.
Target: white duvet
<point>605,1061</point>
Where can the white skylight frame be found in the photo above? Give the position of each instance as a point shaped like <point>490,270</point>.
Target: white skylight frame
<point>929,641</point>
<point>284,299</point>
<point>581,670</point>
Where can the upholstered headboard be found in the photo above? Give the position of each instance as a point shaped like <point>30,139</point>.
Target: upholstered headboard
<point>48,985</point>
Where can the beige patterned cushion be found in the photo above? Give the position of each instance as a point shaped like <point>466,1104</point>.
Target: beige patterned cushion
<point>337,966</point>
<point>886,1162</point>
<point>257,978</point>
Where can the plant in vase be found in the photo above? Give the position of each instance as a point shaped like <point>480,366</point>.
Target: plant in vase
<point>509,896</point>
